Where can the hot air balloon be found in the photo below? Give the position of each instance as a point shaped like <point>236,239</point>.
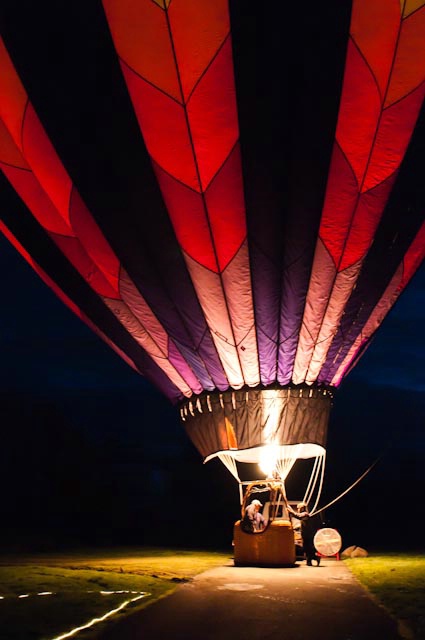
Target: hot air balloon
<point>229,197</point>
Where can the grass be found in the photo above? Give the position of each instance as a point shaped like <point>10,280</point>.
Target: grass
<point>77,581</point>
<point>397,581</point>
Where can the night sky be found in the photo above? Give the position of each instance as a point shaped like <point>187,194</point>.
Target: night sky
<point>93,454</point>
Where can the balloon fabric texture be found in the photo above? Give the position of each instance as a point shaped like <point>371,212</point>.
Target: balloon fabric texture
<point>231,200</point>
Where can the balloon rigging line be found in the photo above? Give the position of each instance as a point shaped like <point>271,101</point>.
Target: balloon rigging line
<point>230,463</point>
<point>320,468</point>
<point>313,480</point>
<point>381,455</point>
<point>313,513</point>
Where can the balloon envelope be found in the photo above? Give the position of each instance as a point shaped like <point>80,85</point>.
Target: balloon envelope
<point>231,200</point>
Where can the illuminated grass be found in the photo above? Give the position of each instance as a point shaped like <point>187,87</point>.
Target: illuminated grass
<point>77,581</point>
<point>164,563</point>
<point>397,581</point>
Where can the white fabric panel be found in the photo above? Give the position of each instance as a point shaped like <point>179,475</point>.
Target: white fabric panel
<point>290,451</point>
<point>237,284</point>
<point>138,305</point>
<point>211,298</point>
<point>230,463</point>
<point>382,308</point>
<point>321,281</point>
<point>142,337</point>
<point>341,291</point>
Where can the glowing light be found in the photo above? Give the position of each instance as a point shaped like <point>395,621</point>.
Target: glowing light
<point>45,593</point>
<point>94,621</point>
<point>269,456</point>
<point>272,409</point>
<point>24,595</point>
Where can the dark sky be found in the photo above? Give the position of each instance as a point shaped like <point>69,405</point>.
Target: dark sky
<point>104,445</point>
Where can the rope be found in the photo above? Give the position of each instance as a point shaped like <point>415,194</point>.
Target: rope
<point>395,436</point>
<point>311,482</point>
<point>321,469</point>
<point>230,463</point>
<point>313,513</point>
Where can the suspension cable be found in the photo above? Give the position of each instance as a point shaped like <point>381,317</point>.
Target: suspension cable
<point>311,482</point>
<point>313,513</point>
<point>321,468</point>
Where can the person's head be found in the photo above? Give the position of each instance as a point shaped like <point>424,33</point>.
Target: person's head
<point>301,506</point>
<point>257,504</point>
